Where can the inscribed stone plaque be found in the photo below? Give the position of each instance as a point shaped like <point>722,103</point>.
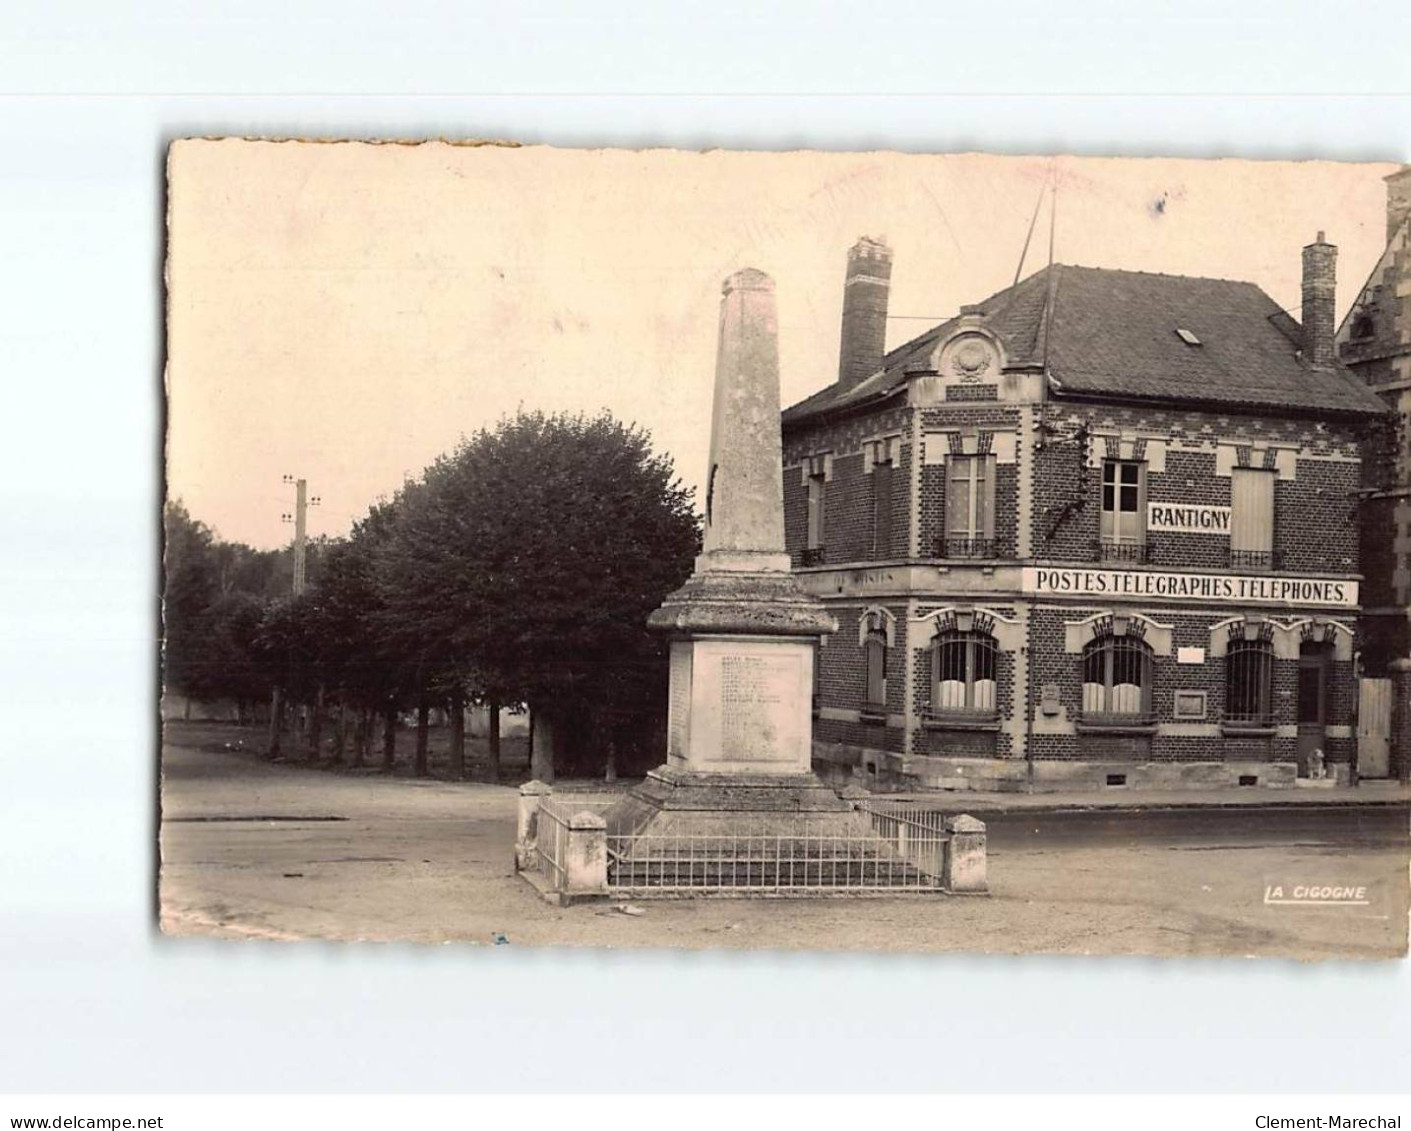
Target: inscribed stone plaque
<point>754,701</point>
<point>680,706</point>
<point>1189,705</point>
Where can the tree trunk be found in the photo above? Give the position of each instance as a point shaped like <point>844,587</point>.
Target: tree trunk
<point>276,722</point>
<point>541,754</point>
<point>494,738</point>
<point>316,726</point>
<point>458,733</point>
<point>389,739</point>
<point>340,732</point>
<point>362,736</point>
<point>423,719</point>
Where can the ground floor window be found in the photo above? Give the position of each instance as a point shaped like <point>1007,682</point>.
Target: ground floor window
<point>875,650</point>
<point>1249,667</point>
<point>1117,679</point>
<point>963,680</point>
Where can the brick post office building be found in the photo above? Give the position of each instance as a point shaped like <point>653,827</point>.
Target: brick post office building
<point>1099,528</point>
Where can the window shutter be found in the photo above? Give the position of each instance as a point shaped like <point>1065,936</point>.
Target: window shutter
<point>1139,530</point>
<point>876,670</point>
<point>1252,509</point>
<point>1109,499</point>
<point>958,497</point>
<point>985,466</point>
<point>882,510</point>
<point>815,512</point>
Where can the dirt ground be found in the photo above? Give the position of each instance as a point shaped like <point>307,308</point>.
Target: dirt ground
<point>254,850</point>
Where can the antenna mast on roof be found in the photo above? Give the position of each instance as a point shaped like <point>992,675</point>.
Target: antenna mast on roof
<point>1052,216</point>
<point>1034,219</point>
<point>1052,277</point>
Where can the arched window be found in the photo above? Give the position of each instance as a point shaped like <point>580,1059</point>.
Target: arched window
<point>1249,666</point>
<point>1117,679</point>
<point>875,651</point>
<point>963,674</point>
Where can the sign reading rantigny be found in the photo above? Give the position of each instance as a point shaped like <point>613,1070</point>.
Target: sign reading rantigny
<point>1188,518</point>
<point>1059,581</point>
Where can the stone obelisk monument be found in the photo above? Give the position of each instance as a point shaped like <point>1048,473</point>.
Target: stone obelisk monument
<point>743,631</point>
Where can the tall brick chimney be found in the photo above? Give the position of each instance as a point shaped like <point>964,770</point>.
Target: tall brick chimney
<point>1398,200</point>
<point>865,290</point>
<point>1320,260</point>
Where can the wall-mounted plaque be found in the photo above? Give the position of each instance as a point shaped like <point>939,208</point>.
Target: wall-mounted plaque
<point>1189,705</point>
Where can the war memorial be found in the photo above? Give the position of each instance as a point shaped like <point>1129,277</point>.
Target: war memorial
<point>736,809</point>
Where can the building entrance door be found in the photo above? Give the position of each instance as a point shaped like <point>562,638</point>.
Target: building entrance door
<point>1312,702</point>
<point>1374,728</point>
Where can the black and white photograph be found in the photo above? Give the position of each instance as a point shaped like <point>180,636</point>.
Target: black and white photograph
<point>843,551</point>
<point>705,564</point>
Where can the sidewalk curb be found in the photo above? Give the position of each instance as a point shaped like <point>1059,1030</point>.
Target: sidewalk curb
<point>971,806</point>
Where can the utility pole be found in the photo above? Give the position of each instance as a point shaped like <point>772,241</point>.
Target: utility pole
<point>299,518</point>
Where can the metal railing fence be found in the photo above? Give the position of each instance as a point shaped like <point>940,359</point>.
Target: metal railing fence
<point>880,848</point>
<point>882,852</point>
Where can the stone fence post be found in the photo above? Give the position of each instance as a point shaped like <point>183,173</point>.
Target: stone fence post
<point>964,870</point>
<point>585,866</point>
<point>526,830</point>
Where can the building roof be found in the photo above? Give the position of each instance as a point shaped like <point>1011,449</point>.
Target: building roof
<point>1113,334</point>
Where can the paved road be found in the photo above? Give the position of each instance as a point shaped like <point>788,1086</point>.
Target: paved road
<point>279,852</point>
<point>1334,827</point>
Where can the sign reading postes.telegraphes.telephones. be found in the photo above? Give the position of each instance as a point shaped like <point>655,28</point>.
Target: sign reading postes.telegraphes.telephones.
<point>1244,589</point>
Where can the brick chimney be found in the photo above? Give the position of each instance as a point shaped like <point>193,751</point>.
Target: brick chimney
<point>1320,260</point>
<point>1398,200</point>
<point>865,290</point>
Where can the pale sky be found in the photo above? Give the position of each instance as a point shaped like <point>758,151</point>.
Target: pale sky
<point>346,312</point>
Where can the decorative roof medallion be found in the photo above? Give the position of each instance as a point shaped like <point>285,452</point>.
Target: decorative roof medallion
<point>968,358</point>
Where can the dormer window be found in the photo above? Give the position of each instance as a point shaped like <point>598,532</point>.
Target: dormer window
<point>1187,336</point>
<point>1363,327</point>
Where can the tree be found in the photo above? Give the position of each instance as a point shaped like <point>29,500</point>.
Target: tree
<point>360,661</point>
<point>532,556</point>
<point>189,587</point>
<point>215,595</point>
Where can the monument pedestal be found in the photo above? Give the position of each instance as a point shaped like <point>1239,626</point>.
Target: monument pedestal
<point>740,726</point>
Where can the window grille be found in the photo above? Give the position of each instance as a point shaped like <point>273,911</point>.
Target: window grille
<point>1249,668</point>
<point>1109,551</point>
<point>963,681</point>
<point>964,547</point>
<point>1255,559</point>
<point>1117,677</point>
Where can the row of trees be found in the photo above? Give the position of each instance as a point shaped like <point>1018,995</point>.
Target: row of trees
<point>519,569</point>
